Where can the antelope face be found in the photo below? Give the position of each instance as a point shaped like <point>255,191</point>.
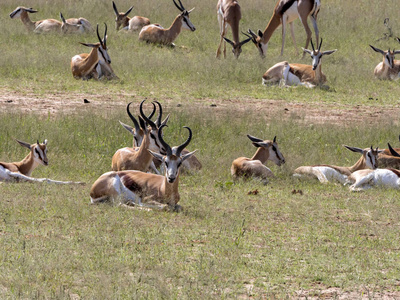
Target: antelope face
<point>389,58</point>
<point>275,154</point>
<point>172,164</point>
<point>316,59</point>
<point>19,10</point>
<point>258,41</point>
<point>103,54</point>
<point>371,156</point>
<point>186,23</point>
<point>40,153</point>
<point>155,144</point>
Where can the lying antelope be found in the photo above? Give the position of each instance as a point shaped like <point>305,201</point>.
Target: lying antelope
<point>94,64</point>
<point>137,158</point>
<point>389,68</point>
<point>145,189</point>
<point>254,167</point>
<point>298,74</point>
<point>75,25</point>
<point>285,12</point>
<point>327,173</point>
<point>229,13</point>
<point>22,170</point>
<point>156,34</point>
<point>47,25</point>
<point>129,24</point>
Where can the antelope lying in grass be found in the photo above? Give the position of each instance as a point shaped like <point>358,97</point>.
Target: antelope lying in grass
<point>254,167</point>
<point>22,170</point>
<point>365,179</point>
<point>47,25</point>
<point>229,13</point>
<point>156,34</point>
<point>327,173</point>
<point>95,64</point>
<point>129,24</point>
<point>389,68</point>
<point>138,158</point>
<point>144,189</point>
<point>75,25</point>
<point>298,74</point>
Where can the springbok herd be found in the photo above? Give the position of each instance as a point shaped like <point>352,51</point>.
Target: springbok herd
<point>135,178</point>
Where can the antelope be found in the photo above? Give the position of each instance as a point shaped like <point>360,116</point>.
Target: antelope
<point>286,11</point>
<point>138,158</point>
<point>95,64</point>
<point>254,167</point>
<point>22,170</point>
<point>298,74</point>
<point>129,24</point>
<point>229,14</point>
<point>154,33</point>
<point>326,173</point>
<point>47,25</point>
<point>389,158</point>
<point>145,189</point>
<point>389,68</point>
<point>75,25</point>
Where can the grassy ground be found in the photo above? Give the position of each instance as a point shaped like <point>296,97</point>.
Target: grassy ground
<point>228,243</point>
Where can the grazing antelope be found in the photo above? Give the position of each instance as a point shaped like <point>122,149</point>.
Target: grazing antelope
<point>47,25</point>
<point>75,25</point>
<point>145,189</point>
<point>298,74</point>
<point>254,167</point>
<point>156,34</point>
<point>129,24</point>
<point>22,170</point>
<point>285,12</point>
<point>229,14</point>
<point>326,173</point>
<point>389,68</point>
<point>138,158</point>
<point>94,64</point>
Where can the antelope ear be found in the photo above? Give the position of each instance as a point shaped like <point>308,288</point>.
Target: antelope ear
<point>23,144</point>
<point>354,149</point>
<point>377,50</point>
<point>89,45</point>
<point>187,155</point>
<point>260,34</point>
<point>328,52</point>
<point>158,156</point>
<point>45,142</point>
<point>307,51</point>
<point>127,127</point>
<point>128,11</point>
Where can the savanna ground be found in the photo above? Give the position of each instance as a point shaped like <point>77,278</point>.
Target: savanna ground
<point>289,239</point>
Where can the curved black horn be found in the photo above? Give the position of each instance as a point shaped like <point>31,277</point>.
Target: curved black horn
<point>98,35</point>
<point>163,143</point>
<point>135,122</point>
<point>274,139</point>
<point>150,122</point>
<point>320,44</point>
<point>180,8</point>
<point>105,35</point>
<point>115,9</point>
<point>392,151</point>
<point>153,112</point>
<point>159,121</point>
<point>183,146</point>
<point>312,45</point>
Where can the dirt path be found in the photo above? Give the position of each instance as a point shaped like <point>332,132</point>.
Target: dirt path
<point>66,103</point>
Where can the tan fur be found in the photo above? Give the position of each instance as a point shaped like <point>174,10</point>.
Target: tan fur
<point>84,67</point>
<point>158,35</point>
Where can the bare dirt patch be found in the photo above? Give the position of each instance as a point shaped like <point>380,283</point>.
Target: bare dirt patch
<point>74,103</point>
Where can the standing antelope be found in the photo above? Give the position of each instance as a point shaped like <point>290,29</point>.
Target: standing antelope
<point>145,189</point>
<point>326,173</point>
<point>22,170</point>
<point>156,34</point>
<point>248,167</point>
<point>286,11</point>
<point>389,68</point>
<point>75,25</point>
<point>94,64</point>
<point>229,14</point>
<point>298,74</point>
<point>47,25</point>
<point>129,24</point>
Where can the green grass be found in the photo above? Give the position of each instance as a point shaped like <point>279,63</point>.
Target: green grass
<point>226,243</point>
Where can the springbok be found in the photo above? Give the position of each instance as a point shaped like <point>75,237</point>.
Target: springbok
<point>129,24</point>
<point>158,35</point>
<point>286,11</point>
<point>145,189</point>
<point>389,68</point>
<point>254,167</point>
<point>229,14</point>
<point>298,74</point>
<point>94,64</point>
<point>75,25</point>
<point>137,158</point>
<point>327,173</point>
<point>47,25</point>
<point>22,170</point>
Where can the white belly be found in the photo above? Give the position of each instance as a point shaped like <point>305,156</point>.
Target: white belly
<point>291,14</point>
<point>4,174</point>
<point>330,174</point>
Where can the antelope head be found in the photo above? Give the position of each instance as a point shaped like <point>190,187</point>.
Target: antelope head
<point>38,151</point>
<point>388,56</point>
<point>237,48</point>
<point>101,46</point>
<point>19,10</point>
<point>370,155</point>
<point>121,19</point>
<point>173,159</point>
<point>316,55</point>
<point>70,28</point>
<point>271,147</point>
<point>186,23</point>
<point>257,40</point>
